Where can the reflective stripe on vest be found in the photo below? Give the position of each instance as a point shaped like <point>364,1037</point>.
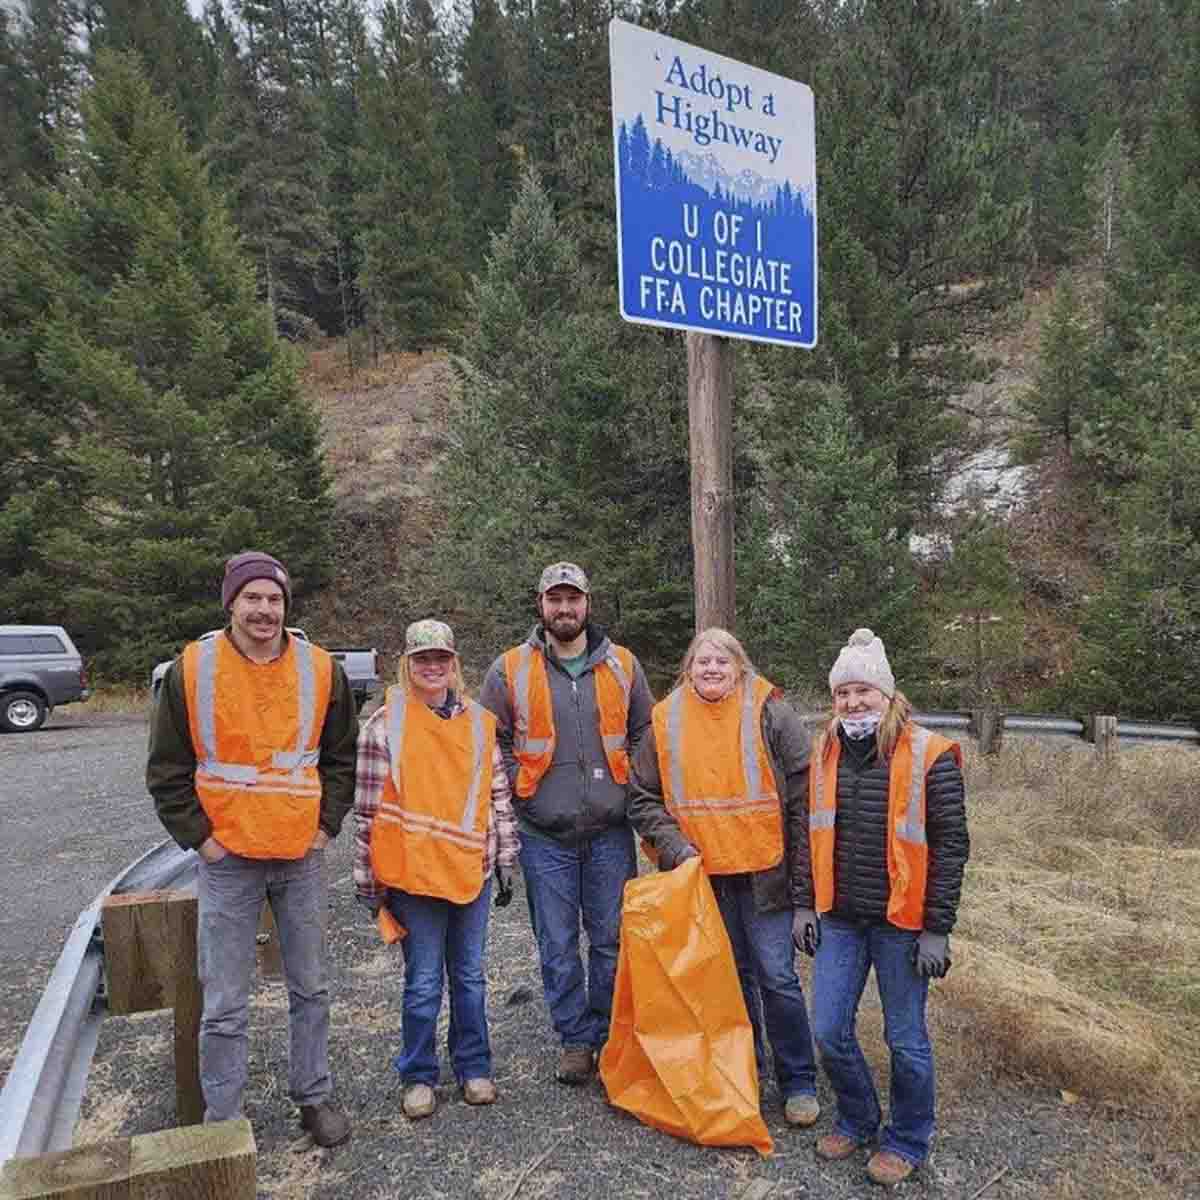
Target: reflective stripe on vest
<point>429,838</point>
<point>522,742</point>
<point>247,774</point>
<point>741,831</point>
<point>534,735</point>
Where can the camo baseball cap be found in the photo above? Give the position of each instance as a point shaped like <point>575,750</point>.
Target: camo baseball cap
<point>564,573</point>
<point>428,635</point>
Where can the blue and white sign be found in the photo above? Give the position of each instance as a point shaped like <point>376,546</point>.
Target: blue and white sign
<point>716,192</point>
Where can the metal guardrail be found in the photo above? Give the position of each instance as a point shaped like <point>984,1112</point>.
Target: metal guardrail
<point>44,1090</point>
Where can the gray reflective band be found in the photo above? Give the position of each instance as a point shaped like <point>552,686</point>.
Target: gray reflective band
<point>749,742</point>
<point>397,708</point>
<point>614,741</point>
<point>230,772</point>
<point>817,767</point>
<point>913,827</point>
<point>614,665</point>
<point>468,820</point>
<point>521,739</point>
<point>308,693</point>
<point>675,742</point>
<point>206,707</point>
<point>290,760</point>
<point>823,818</point>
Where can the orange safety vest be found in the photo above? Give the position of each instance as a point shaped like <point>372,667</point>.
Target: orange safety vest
<point>256,732</point>
<point>430,833</point>
<point>533,713</point>
<point>907,849</point>
<point>717,778</point>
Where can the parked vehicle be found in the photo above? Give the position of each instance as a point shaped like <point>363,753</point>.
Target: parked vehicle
<point>359,663</point>
<point>39,669</point>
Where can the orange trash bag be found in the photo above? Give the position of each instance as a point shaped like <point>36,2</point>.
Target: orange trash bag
<point>680,1050</point>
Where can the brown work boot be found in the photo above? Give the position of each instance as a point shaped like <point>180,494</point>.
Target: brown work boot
<point>888,1169</point>
<point>420,1100</point>
<point>801,1109</point>
<point>326,1122</point>
<point>575,1064</point>
<point>479,1091</point>
<point>833,1147</point>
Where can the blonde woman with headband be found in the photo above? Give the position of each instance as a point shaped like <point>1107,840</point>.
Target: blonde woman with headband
<point>721,775</point>
<point>433,814</point>
<point>876,877</point>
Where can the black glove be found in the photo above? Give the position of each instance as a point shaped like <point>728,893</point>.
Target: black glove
<point>504,886</point>
<point>931,954</point>
<point>806,930</point>
<point>681,856</point>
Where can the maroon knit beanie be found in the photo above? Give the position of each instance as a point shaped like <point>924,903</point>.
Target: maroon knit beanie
<point>253,564</point>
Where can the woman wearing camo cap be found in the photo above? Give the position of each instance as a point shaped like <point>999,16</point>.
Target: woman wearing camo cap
<point>433,814</point>
<point>876,877</point>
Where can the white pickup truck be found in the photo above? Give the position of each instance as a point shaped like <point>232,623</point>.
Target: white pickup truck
<point>359,663</point>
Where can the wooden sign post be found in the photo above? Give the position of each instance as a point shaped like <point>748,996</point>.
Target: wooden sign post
<point>710,436</point>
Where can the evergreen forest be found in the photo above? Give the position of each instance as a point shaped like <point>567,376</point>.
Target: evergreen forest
<point>189,199</point>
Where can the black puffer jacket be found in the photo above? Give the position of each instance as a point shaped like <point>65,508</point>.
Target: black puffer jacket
<point>861,883</point>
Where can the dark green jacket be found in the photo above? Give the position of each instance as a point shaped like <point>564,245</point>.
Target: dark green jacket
<point>787,742</point>
<point>171,767</point>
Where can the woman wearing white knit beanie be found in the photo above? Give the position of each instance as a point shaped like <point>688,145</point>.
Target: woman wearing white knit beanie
<point>876,878</point>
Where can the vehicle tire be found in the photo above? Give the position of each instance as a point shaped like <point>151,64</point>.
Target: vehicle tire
<point>22,712</point>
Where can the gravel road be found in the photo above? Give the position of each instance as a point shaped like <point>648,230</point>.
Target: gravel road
<point>75,812</point>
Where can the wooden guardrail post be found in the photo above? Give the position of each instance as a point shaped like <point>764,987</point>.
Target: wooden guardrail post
<point>1104,735</point>
<point>150,963</point>
<point>987,724</point>
<point>202,1162</point>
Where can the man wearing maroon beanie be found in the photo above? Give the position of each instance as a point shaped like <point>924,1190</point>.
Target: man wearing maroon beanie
<point>252,757</point>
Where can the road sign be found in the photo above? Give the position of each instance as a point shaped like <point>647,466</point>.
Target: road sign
<point>716,192</point>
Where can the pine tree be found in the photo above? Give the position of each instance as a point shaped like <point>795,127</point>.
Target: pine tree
<point>822,555</point>
<point>921,248</point>
<point>480,133</point>
<point>182,435</point>
<point>178,59</point>
<point>268,152</point>
<point>569,441</point>
<point>410,225</point>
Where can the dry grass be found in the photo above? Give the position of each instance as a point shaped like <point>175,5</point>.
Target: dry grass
<point>115,699</point>
<point>1077,953</point>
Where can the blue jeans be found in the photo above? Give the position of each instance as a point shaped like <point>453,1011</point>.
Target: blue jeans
<point>444,940</point>
<point>565,884</point>
<point>766,961</point>
<point>844,959</point>
<point>231,894</point>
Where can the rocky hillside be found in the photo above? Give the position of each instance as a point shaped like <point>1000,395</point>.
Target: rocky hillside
<point>385,427</point>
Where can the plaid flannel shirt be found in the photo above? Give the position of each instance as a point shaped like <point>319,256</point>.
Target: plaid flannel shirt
<point>374,766</point>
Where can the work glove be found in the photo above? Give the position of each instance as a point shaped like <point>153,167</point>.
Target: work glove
<point>504,886</point>
<point>931,954</point>
<point>683,854</point>
<point>371,903</point>
<point>806,930</point>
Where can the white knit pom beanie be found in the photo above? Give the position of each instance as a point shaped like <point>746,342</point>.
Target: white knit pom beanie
<point>863,660</point>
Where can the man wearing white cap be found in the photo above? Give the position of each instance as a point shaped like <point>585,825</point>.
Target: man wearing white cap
<point>571,707</point>
<point>252,765</point>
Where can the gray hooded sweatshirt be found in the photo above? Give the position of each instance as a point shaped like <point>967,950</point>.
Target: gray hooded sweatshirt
<point>577,797</point>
